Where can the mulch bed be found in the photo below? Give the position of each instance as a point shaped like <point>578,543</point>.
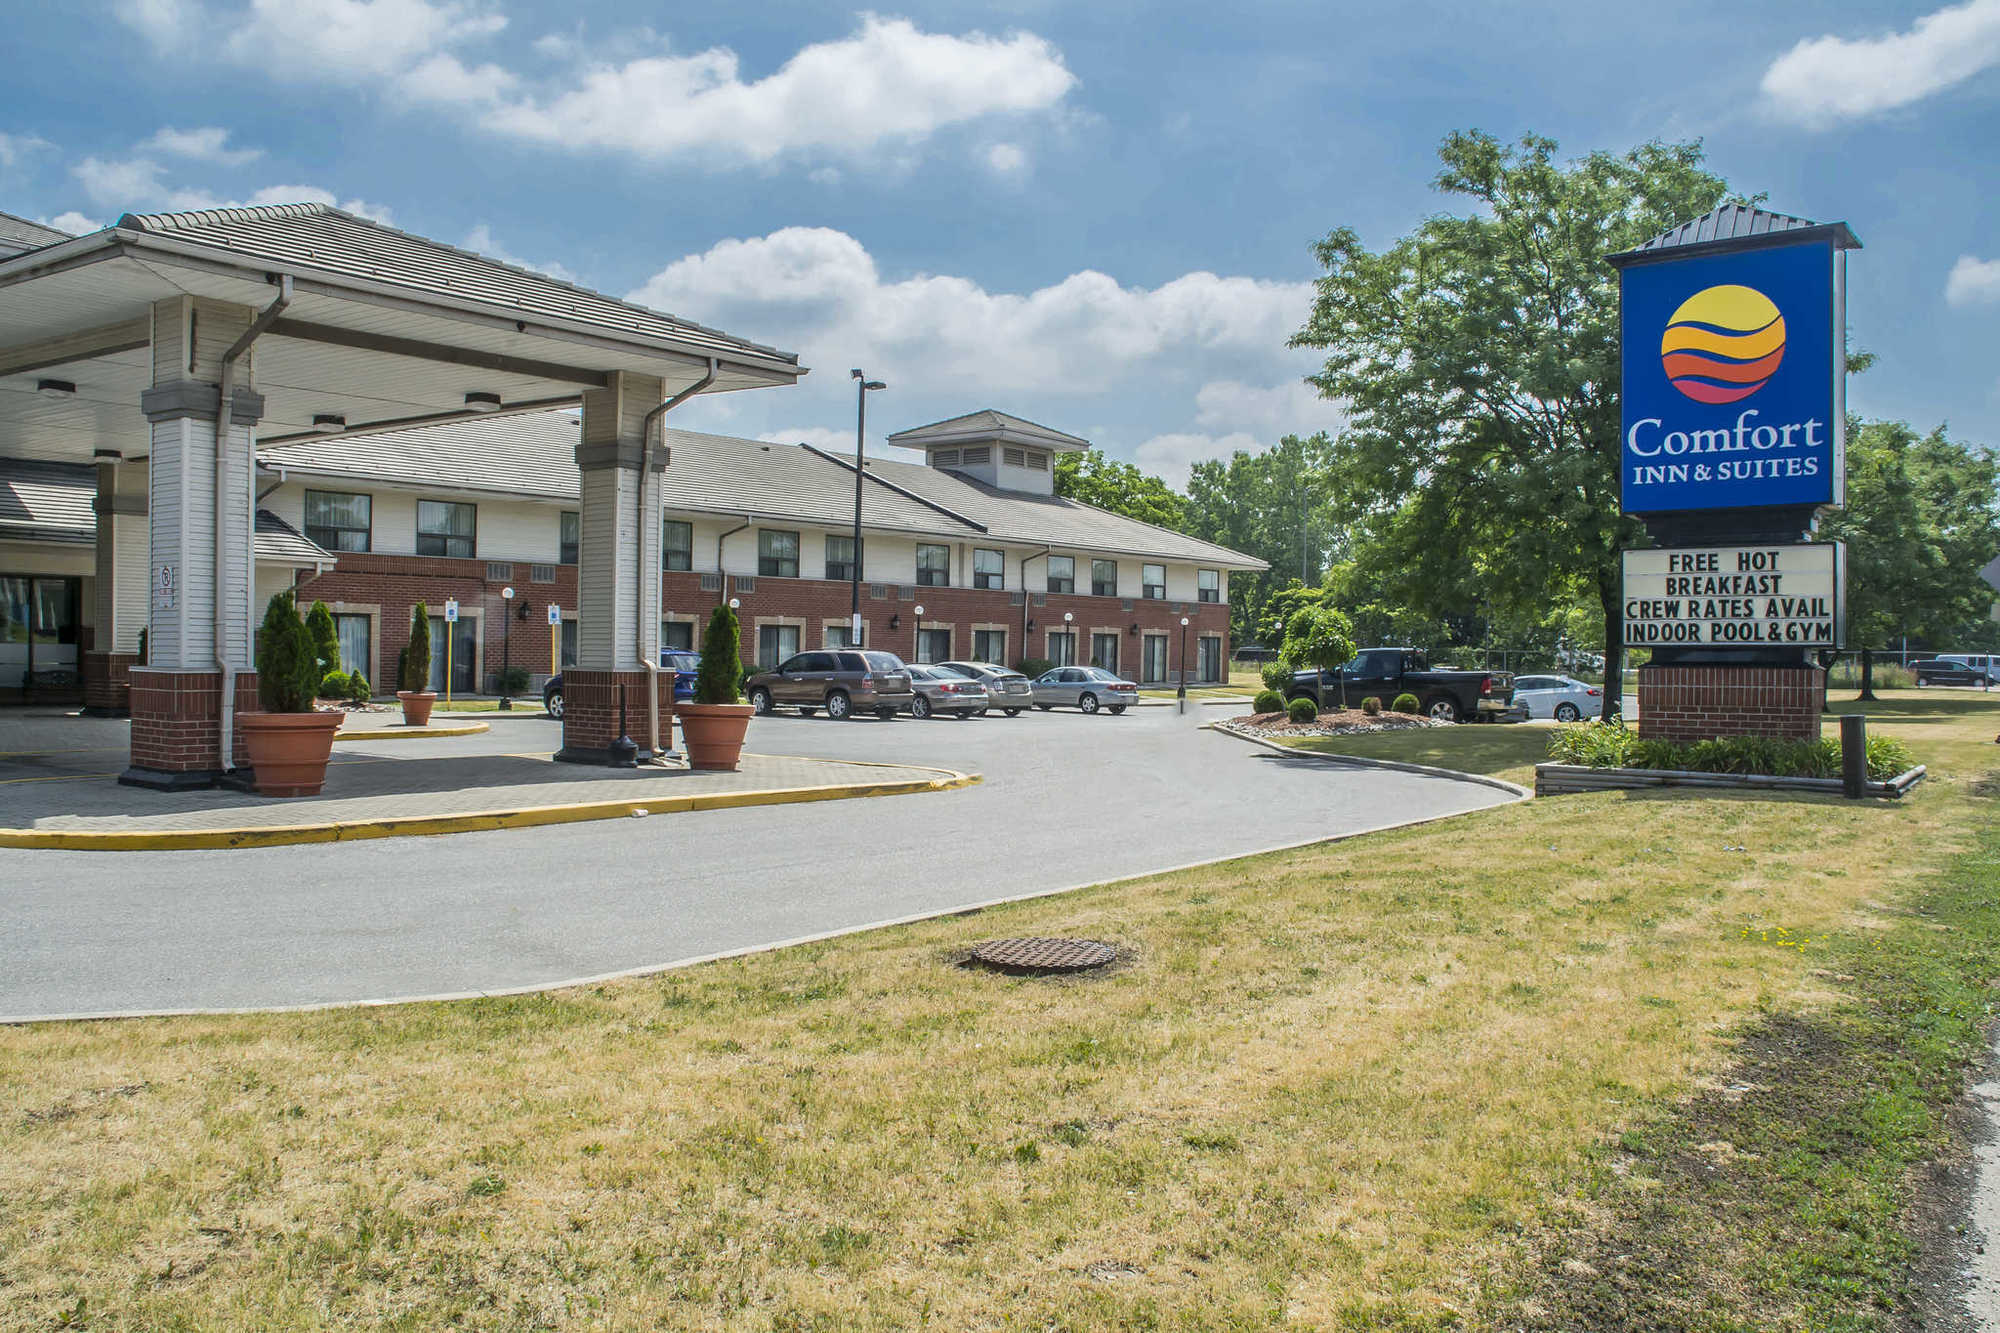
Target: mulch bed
<point>1334,722</point>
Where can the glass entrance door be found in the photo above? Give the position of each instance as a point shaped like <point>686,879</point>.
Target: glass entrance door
<point>464,652</point>
<point>38,638</point>
<point>1154,665</point>
<point>1104,651</point>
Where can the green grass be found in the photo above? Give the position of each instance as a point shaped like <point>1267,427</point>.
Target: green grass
<point>1508,750</point>
<point>523,703</point>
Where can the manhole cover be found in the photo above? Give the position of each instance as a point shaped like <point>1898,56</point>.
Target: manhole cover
<point>1043,955</point>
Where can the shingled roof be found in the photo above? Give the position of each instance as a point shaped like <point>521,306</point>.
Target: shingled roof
<point>1729,226</point>
<point>54,502</point>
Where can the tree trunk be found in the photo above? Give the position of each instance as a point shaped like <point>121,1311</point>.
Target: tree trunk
<point>1610,595</point>
<point>1826,661</point>
<point>1867,676</point>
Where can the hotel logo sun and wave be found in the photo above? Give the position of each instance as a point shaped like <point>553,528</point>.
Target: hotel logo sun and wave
<point>1723,344</point>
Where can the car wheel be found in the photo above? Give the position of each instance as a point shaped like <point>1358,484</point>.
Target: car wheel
<point>760,701</point>
<point>838,706</point>
<point>980,713</point>
<point>920,707</point>
<point>1086,703</point>
<point>1116,709</point>
<point>554,703</point>
<point>1011,712</point>
<point>1568,713</point>
<point>1444,708</point>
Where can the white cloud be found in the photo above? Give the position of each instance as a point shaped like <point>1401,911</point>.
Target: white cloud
<point>819,290</point>
<point>140,183</point>
<point>824,175</point>
<point>1973,282</point>
<point>14,147</point>
<point>208,144</point>
<point>1291,408</point>
<point>76,224</point>
<point>1006,159</point>
<point>1825,80</point>
<point>1173,455</point>
<point>888,85</point>
<point>481,241</point>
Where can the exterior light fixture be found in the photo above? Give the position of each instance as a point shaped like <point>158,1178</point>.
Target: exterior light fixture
<point>329,423</point>
<point>55,388</point>
<point>894,620</point>
<point>481,401</point>
<point>734,603</point>
<point>1031,624</point>
<point>1134,629</point>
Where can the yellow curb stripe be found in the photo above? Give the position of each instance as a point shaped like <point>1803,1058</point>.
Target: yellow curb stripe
<point>59,777</point>
<point>427,825</point>
<point>412,733</point>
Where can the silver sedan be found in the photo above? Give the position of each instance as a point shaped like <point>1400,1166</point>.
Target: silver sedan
<point>1085,688</point>
<point>941,691</point>
<point>1563,698</point>
<point>1008,690</point>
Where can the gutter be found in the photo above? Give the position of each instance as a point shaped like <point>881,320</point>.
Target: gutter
<point>721,574</point>
<point>639,584</point>
<point>225,410</point>
<point>1027,600</point>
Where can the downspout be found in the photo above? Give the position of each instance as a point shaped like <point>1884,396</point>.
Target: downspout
<point>1027,599</point>
<point>223,412</point>
<point>722,597</point>
<point>639,584</point>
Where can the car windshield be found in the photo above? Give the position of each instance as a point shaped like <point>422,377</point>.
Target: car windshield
<point>1099,673</point>
<point>883,661</point>
<point>920,672</point>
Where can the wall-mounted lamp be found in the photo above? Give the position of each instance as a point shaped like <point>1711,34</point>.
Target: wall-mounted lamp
<point>895,620</point>
<point>55,388</point>
<point>480,401</point>
<point>1134,629</point>
<point>1031,624</point>
<point>329,423</point>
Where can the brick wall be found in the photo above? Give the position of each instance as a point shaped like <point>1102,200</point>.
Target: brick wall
<point>107,683</point>
<point>177,718</point>
<point>1695,703</point>
<point>590,710</point>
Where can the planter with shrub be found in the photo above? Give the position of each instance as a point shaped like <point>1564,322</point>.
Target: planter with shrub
<point>414,674</point>
<point>1268,701</point>
<point>714,725</point>
<point>289,742</point>
<point>1609,755</point>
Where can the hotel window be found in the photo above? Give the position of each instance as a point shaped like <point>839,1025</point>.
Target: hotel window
<point>1208,585</point>
<point>1153,583</point>
<point>1062,573</point>
<point>570,538</point>
<point>446,529</point>
<point>989,569</point>
<point>778,555</point>
<point>676,636</point>
<point>354,632</point>
<point>336,521</point>
<point>1104,578</point>
<point>933,566</point>
<point>989,645</point>
<point>676,544</point>
<point>776,643</point>
<point>1062,647</point>
<point>840,559</point>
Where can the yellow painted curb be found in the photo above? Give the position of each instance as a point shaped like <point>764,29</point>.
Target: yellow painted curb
<point>287,835</point>
<point>411,733</point>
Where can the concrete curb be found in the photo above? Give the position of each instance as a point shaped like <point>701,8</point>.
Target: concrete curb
<point>285,835</point>
<point>1356,761</point>
<point>409,733</point>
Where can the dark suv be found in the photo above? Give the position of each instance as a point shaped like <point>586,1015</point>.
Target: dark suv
<point>843,681</point>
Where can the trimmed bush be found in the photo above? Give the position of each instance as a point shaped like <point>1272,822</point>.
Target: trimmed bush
<point>720,677</point>
<point>335,684</point>
<point>1614,745</point>
<point>1269,701</point>
<point>415,673</point>
<point>512,680</point>
<point>326,645</point>
<point>1032,667</point>
<point>1371,706</point>
<point>1302,710</point>
<point>1275,675</point>
<point>288,673</point>
<point>358,689</point>
<point>1406,703</point>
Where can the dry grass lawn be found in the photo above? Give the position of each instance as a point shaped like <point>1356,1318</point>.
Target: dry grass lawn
<point>1332,1087</point>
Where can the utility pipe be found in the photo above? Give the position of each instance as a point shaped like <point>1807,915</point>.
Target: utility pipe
<point>722,578</point>
<point>1027,598</point>
<point>639,584</point>
<point>223,411</point>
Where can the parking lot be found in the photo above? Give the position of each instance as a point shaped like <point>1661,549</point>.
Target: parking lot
<point>1066,800</point>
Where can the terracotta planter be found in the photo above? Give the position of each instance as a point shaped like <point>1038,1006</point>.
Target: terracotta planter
<point>714,734</point>
<point>288,751</point>
<point>417,707</point>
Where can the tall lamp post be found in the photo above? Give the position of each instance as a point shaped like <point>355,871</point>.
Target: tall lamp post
<point>1069,636</point>
<point>1182,698</point>
<point>862,385</point>
<point>917,634</point>
<point>506,645</point>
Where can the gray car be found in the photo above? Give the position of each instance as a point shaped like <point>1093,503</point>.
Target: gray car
<point>941,691</point>
<point>843,681</point>
<point>1085,688</point>
<point>1008,690</point>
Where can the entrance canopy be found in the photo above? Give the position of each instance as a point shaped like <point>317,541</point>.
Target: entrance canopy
<point>382,327</point>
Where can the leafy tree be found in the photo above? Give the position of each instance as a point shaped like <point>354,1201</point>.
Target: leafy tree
<point>1919,526</point>
<point>1122,488</point>
<point>1275,505</point>
<point>1278,609</point>
<point>1319,638</point>
<point>1478,358</point>
<point>325,639</point>
<point>288,673</point>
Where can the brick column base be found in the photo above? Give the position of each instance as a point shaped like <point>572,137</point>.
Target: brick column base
<point>590,713</point>
<point>106,684</point>
<point>1699,703</point>
<point>177,725</point>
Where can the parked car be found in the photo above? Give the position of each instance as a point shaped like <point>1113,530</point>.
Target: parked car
<point>1384,673</point>
<point>1563,698</point>
<point>1009,690</point>
<point>1977,661</point>
<point>1253,652</point>
<point>1948,671</point>
<point>1085,688</point>
<point>843,681</point>
<point>682,664</point>
<point>941,691</point>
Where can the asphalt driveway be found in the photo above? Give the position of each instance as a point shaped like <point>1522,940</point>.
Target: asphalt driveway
<point>1067,800</point>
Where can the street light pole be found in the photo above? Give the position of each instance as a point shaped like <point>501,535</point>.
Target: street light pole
<point>1183,691</point>
<point>862,385</point>
<point>506,645</point>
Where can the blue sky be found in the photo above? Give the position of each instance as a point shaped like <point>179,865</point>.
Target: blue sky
<point>1098,217</point>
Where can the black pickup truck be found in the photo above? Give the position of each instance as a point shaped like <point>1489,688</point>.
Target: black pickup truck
<point>1384,673</point>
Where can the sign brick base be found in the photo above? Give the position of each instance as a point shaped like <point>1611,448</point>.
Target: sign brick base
<point>106,683</point>
<point>1699,703</point>
<point>177,725</point>
<point>590,713</point>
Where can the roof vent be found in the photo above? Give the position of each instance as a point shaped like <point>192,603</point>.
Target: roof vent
<point>944,458</point>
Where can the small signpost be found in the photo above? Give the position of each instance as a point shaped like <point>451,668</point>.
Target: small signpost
<point>1733,383</point>
<point>555,639</point>
<point>450,633</point>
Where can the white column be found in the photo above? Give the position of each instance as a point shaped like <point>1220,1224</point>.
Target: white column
<point>618,558</point>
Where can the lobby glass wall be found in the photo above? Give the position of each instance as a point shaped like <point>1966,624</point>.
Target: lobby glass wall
<point>39,638</point>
